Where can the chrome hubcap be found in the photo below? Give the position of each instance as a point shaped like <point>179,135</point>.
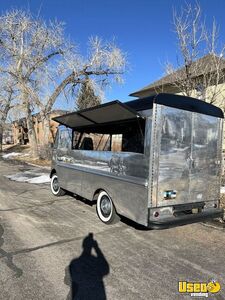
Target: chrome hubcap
<point>105,206</point>
<point>55,184</point>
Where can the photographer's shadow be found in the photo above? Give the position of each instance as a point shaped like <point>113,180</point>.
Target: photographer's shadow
<point>85,274</point>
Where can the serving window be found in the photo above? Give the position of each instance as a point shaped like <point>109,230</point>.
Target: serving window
<point>119,137</point>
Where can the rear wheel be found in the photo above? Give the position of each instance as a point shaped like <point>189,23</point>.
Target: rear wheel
<point>105,209</point>
<point>55,188</point>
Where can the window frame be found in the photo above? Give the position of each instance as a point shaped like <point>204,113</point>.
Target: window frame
<point>59,132</point>
<point>89,131</point>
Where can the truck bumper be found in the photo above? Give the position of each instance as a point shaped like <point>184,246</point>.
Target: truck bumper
<point>186,219</point>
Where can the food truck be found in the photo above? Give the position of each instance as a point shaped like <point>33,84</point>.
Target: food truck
<point>155,160</point>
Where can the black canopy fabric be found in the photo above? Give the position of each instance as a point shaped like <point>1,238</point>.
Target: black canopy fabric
<point>73,120</point>
<point>101,114</point>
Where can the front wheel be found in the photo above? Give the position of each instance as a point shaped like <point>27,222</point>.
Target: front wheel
<point>105,209</point>
<point>55,188</point>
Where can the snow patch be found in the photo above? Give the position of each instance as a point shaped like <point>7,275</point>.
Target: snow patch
<point>40,179</point>
<point>222,190</point>
<point>13,154</point>
<point>30,177</point>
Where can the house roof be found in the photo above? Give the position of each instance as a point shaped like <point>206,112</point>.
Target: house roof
<point>199,67</point>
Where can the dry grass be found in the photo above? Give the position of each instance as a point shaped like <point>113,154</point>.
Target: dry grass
<point>6,147</point>
<point>39,162</point>
<point>24,150</point>
<point>16,148</point>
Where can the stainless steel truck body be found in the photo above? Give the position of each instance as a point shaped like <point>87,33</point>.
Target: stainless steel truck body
<point>156,160</point>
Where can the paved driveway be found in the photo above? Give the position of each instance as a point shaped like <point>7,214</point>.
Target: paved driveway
<point>56,248</point>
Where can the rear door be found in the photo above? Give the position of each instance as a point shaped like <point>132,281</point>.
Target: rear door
<point>174,155</point>
<point>206,161</point>
<point>187,159</point>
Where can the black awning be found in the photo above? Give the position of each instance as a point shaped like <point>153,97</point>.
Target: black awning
<point>114,111</point>
<point>176,101</point>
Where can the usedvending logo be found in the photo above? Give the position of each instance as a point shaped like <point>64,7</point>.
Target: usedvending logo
<point>199,289</point>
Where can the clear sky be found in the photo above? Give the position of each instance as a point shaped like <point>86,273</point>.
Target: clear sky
<point>143,29</point>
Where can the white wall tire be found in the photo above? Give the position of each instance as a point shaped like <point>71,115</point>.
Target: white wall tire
<point>105,209</point>
<point>55,188</point>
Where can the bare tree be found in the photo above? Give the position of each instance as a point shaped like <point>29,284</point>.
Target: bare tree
<point>200,69</point>
<point>36,54</point>
<point>26,45</point>
<point>103,64</point>
<point>7,102</point>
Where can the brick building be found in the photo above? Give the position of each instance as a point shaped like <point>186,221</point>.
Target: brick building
<point>7,135</point>
<point>20,131</point>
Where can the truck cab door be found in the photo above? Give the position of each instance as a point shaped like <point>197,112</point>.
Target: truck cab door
<point>61,155</point>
